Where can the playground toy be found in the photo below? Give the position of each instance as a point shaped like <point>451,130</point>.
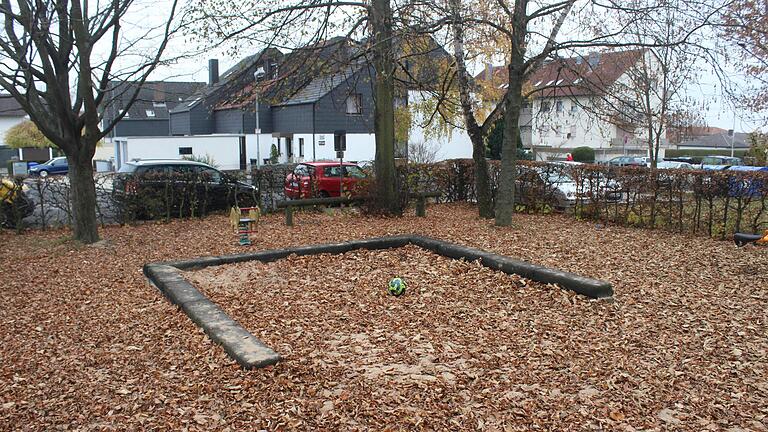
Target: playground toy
<point>244,226</point>
<point>396,287</point>
<point>742,239</point>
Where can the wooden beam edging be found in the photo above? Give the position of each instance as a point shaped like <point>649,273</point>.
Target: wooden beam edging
<point>243,347</point>
<point>250,352</point>
<point>593,288</point>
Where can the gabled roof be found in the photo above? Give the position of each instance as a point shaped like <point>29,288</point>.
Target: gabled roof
<point>574,76</point>
<point>304,76</point>
<point>231,81</point>
<point>319,87</point>
<point>9,107</point>
<point>720,140</point>
<point>155,98</point>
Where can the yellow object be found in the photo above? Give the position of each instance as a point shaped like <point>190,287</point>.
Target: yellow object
<point>236,213</point>
<point>244,226</point>
<point>763,240</point>
<point>7,191</point>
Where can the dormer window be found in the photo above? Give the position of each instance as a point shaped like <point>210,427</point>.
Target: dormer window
<point>259,73</point>
<point>355,104</point>
<point>150,113</point>
<point>158,104</point>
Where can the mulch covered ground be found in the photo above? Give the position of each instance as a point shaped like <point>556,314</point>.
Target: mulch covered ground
<point>87,344</point>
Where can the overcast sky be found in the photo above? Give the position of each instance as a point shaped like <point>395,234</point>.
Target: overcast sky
<point>714,106</point>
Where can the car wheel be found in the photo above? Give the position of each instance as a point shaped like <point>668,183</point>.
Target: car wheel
<point>324,194</point>
<point>43,173</point>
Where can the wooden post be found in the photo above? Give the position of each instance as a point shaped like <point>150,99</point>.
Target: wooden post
<point>289,215</point>
<point>421,206</point>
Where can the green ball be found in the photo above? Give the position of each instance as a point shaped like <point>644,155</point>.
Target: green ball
<point>397,287</point>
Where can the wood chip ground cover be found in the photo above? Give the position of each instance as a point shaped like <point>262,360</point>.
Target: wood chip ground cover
<point>87,344</point>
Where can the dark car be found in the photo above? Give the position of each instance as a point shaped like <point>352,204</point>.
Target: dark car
<point>720,162</point>
<point>158,185</point>
<point>627,161</point>
<point>322,179</point>
<point>57,165</point>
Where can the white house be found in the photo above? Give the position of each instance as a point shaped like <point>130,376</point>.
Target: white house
<point>582,101</point>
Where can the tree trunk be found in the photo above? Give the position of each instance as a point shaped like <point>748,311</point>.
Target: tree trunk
<point>83,194</point>
<point>505,201</point>
<point>482,184</point>
<point>384,115</point>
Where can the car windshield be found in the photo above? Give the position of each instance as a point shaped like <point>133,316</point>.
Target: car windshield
<point>349,171</point>
<point>557,177</point>
<point>127,168</point>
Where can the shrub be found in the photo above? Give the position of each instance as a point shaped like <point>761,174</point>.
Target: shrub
<point>207,159</point>
<point>583,154</point>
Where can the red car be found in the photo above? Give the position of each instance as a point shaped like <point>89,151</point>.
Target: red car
<point>321,179</point>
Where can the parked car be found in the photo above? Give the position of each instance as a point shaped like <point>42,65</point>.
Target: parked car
<point>721,160</point>
<point>648,160</point>
<point>57,165</point>
<point>744,185</point>
<point>145,180</point>
<point>673,165</point>
<point>321,179</point>
<point>559,190</point>
<point>686,159</point>
<point>626,161</point>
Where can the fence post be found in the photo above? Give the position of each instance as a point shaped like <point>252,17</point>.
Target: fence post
<point>421,206</point>
<point>289,216</point>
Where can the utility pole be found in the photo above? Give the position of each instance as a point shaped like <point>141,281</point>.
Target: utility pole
<point>731,134</point>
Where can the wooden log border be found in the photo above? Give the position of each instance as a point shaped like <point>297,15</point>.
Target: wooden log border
<point>250,352</point>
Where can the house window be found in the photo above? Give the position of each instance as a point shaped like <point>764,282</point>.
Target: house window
<point>150,113</point>
<point>158,104</point>
<point>289,146</point>
<point>569,135</point>
<point>185,150</point>
<point>559,106</point>
<point>574,108</point>
<point>355,104</point>
<point>301,147</point>
<point>546,106</point>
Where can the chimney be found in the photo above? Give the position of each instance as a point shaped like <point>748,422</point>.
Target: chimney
<point>213,71</point>
<point>594,59</point>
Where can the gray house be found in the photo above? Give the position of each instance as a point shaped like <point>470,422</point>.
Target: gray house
<point>296,106</point>
<point>150,113</point>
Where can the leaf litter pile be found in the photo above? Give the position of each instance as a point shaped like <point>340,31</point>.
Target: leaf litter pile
<point>87,344</point>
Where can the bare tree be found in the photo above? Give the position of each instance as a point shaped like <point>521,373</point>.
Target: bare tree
<point>745,26</point>
<point>301,25</point>
<point>533,31</point>
<point>58,57</point>
<point>652,92</point>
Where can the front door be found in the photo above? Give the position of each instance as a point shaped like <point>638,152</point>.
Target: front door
<point>243,164</point>
<point>289,147</point>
